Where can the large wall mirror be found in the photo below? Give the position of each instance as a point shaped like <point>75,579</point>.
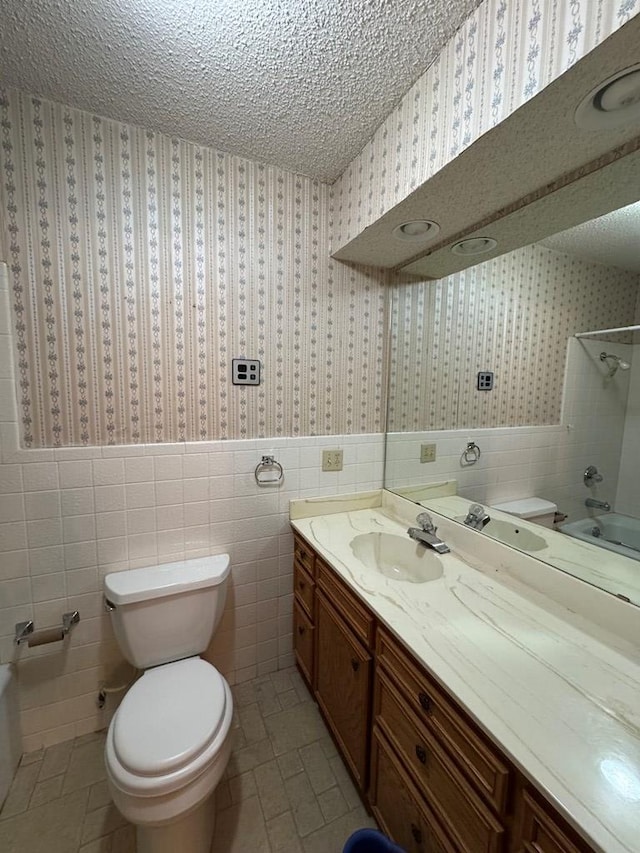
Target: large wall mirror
<point>508,382</point>
<point>564,397</point>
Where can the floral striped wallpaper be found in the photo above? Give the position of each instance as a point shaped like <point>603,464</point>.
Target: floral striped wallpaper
<point>505,53</point>
<point>511,315</point>
<point>141,265</point>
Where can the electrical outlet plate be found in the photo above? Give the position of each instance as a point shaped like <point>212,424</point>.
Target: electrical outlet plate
<point>245,371</point>
<point>332,460</point>
<point>427,453</point>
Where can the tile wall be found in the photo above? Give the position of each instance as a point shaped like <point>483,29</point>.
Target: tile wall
<point>69,516</point>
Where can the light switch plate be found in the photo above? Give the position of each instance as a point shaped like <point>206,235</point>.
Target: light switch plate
<point>427,453</point>
<point>332,460</point>
<point>245,371</point>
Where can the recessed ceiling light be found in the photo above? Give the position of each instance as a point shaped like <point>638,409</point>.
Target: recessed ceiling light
<point>613,103</point>
<point>474,246</point>
<point>416,230</point>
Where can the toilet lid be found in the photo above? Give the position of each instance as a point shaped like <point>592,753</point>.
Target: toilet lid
<point>169,717</point>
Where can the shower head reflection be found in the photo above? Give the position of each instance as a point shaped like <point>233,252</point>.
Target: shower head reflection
<point>614,363</point>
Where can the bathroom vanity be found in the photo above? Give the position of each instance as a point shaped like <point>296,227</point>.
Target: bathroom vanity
<point>447,692</point>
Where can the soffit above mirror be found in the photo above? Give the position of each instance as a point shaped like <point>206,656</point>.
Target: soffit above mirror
<point>540,174</point>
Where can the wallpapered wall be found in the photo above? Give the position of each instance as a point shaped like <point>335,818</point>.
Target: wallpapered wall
<point>511,315</point>
<point>141,265</point>
<point>505,52</point>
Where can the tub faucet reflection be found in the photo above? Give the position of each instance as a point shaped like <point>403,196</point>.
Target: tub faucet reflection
<point>426,534</point>
<point>592,502</point>
<point>477,517</point>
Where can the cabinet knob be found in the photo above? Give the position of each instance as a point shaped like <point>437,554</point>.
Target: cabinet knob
<point>355,664</point>
<point>301,584</point>
<point>417,834</point>
<point>421,753</point>
<point>301,630</point>
<point>424,700</point>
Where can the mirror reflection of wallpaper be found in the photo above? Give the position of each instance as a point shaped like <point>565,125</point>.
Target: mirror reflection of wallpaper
<point>512,316</point>
<point>141,265</point>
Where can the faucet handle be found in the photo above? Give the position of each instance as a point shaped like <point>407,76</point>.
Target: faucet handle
<point>477,510</point>
<point>426,522</point>
<point>591,476</point>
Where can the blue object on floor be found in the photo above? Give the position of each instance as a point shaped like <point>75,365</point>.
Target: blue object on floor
<point>370,841</point>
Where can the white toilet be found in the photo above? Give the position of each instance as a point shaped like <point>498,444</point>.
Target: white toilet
<point>169,741</point>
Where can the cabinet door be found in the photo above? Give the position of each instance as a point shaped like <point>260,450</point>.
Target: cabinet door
<point>343,678</point>
<point>541,830</point>
<point>303,632</point>
<point>397,805</point>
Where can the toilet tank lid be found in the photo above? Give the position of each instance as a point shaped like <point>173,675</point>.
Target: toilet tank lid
<point>527,507</point>
<point>168,579</point>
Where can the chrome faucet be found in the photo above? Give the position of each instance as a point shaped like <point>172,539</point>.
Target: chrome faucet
<point>592,502</point>
<point>477,517</point>
<point>426,534</point>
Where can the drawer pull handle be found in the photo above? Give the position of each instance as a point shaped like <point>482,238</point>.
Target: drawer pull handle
<point>417,834</point>
<point>355,664</point>
<point>301,584</point>
<point>301,630</point>
<point>421,753</point>
<point>424,700</point>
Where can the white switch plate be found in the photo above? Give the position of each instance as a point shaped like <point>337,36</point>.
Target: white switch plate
<point>427,453</point>
<point>332,460</point>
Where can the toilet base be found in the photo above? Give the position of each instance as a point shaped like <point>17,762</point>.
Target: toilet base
<point>191,834</point>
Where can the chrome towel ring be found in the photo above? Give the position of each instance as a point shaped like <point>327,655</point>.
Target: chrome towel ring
<point>470,454</point>
<point>265,470</point>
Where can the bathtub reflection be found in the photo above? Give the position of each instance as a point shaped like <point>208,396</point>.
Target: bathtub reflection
<point>615,532</point>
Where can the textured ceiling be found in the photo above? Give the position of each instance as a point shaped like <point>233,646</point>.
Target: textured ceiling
<point>301,84</point>
<point>613,239</point>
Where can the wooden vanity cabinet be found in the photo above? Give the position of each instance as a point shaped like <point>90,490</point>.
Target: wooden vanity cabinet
<point>344,668</point>
<point>432,741</point>
<point>435,782</point>
<point>539,829</point>
<point>304,609</point>
<point>398,804</point>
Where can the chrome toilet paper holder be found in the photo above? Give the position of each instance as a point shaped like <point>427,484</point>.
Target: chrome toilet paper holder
<point>26,631</point>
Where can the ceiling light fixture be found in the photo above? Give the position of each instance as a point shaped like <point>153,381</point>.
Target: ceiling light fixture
<point>613,103</point>
<point>416,230</point>
<point>474,246</point>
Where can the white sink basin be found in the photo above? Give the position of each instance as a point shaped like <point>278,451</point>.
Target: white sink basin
<point>397,558</point>
<point>514,535</point>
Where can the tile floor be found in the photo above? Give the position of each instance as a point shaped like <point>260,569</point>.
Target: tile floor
<point>286,789</point>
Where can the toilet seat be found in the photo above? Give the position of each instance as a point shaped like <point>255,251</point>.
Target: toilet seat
<point>169,727</point>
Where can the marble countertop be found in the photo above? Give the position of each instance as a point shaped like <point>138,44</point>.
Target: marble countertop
<point>561,702</point>
<point>614,572</point>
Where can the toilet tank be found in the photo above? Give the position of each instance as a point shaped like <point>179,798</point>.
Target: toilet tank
<point>167,612</point>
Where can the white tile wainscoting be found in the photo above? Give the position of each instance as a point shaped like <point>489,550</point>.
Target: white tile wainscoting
<point>69,516</point>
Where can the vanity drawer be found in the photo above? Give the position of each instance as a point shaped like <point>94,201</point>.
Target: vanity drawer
<point>303,554</point>
<point>481,764</point>
<point>466,818</point>
<point>357,617</point>
<point>540,831</point>
<point>303,632</point>
<point>303,587</point>
<point>397,805</point>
